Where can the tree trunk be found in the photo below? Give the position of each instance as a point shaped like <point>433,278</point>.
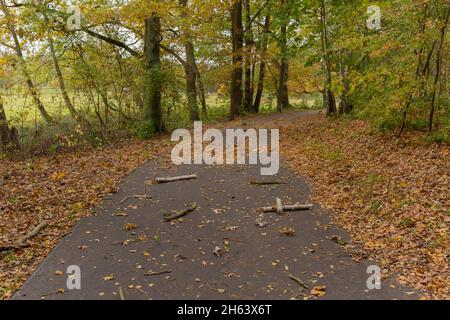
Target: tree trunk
<point>249,41</point>
<point>153,78</point>
<point>262,66</point>
<point>438,70</point>
<point>23,66</point>
<point>201,91</point>
<point>420,71</point>
<point>190,67</point>
<point>238,41</point>
<point>346,105</point>
<point>62,86</point>
<point>9,139</point>
<point>328,94</point>
<point>283,91</point>
<point>5,133</point>
<point>191,82</point>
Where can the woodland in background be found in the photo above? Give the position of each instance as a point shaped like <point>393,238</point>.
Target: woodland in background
<point>136,68</point>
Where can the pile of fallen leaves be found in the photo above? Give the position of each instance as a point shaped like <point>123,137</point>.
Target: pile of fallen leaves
<point>391,194</point>
<point>58,190</point>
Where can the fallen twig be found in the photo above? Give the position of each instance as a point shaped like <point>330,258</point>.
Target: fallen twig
<point>121,295</point>
<point>17,246</point>
<point>22,241</point>
<point>137,196</point>
<point>157,273</point>
<point>266,183</point>
<point>173,179</point>
<point>300,282</point>
<point>176,215</point>
<point>295,207</point>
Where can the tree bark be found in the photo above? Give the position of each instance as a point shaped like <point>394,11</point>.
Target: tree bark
<point>283,91</point>
<point>9,139</point>
<point>346,105</point>
<point>238,41</point>
<point>249,42</point>
<point>153,78</point>
<point>190,67</point>
<point>262,66</point>
<point>329,99</point>
<point>438,70</point>
<point>5,133</point>
<point>201,91</point>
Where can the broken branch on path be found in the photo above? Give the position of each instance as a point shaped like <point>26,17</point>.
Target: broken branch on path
<point>173,179</point>
<point>137,196</point>
<point>300,282</point>
<point>284,208</point>
<point>157,273</point>
<point>266,183</point>
<point>176,215</point>
<point>22,243</point>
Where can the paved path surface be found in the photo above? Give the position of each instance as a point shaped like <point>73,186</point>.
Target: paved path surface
<point>254,262</point>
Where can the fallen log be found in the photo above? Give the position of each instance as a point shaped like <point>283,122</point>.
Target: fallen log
<point>176,215</point>
<point>295,207</point>
<point>173,179</point>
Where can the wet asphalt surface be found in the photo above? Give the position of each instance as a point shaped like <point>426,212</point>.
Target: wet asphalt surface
<point>223,250</point>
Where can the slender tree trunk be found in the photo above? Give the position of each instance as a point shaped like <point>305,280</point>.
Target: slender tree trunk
<point>5,133</point>
<point>201,91</point>
<point>262,66</point>
<point>62,85</point>
<point>249,42</point>
<point>346,105</point>
<point>189,67</point>
<point>153,78</point>
<point>328,94</point>
<point>191,82</point>
<point>438,70</point>
<point>9,138</point>
<point>283,90</point>
<point>23,66</point>
<point>420,71</point>
<point>238,41</point>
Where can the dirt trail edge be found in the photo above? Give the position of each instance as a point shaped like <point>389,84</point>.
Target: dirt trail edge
<point>224,249</point>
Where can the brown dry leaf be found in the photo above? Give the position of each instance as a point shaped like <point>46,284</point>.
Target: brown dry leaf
<point>319,291</point>
<point>287,231</point>
<point>217,251</point>
<point>129,226</point>
<point>121,214</point>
